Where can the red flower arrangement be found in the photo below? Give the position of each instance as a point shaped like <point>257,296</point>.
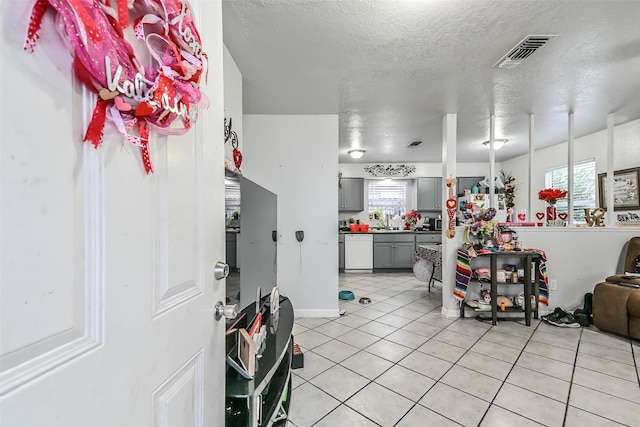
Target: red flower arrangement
<point>551,195</point>
<point>412,217</point>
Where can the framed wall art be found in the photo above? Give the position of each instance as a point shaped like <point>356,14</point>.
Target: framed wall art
<point>625,189</point>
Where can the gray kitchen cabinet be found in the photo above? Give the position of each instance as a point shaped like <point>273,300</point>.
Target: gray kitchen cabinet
<point>341,252</point>
<point>393,250</point>
<point>429,194</point>
<point>428,239</point>
<point>351,195</point>
<point>383,255</point>
<point>403,254</point>
<point>231,247</point>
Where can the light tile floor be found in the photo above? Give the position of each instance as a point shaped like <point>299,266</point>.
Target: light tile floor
<point>398,362</point>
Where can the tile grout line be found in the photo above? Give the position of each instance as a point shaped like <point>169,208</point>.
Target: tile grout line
<point>507,376</point>
<point>529,339</point>
<point>371,381</point>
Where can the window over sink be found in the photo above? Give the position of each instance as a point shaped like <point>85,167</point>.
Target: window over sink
<point>389,198</point>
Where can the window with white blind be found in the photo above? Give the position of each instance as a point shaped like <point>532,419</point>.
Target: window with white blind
<point>584,187</point>
<point>388,198</point>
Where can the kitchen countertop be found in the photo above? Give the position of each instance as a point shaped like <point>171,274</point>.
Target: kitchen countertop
<point>390,232</point>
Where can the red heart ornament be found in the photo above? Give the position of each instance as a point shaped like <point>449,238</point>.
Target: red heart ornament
<point>451,204</point>
<point>540,215</point>
<point>237,157</point>
<point>563,216</point>
<point>522,217</point>
<point>143,109</point>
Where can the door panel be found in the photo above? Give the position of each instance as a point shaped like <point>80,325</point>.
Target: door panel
<point>49,222</point>
<point>179,401</point>
<point>106,281</point>
<point>176,221</point>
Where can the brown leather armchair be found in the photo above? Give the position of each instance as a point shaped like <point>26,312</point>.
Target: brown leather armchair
<point>616,302</point>
<point>631,264</point>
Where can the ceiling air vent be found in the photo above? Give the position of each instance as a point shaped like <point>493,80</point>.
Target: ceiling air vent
<point>414,144</point>
<point>522,51</point>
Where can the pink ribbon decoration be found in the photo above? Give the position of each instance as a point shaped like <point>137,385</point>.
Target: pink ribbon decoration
<point>134,98</point>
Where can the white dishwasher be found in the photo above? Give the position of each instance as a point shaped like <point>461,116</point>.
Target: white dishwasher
<point>358,253</point>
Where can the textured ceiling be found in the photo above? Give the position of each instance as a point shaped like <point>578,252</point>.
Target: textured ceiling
<point>392,69</point>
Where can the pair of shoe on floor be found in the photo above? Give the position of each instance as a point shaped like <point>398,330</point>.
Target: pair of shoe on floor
<point>565,319</point>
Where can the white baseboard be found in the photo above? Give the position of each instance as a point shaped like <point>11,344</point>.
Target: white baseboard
<point>450,313</point>
<point>317,312</point>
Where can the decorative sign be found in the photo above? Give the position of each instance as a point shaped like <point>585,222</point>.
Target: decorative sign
<point>452,204</point>
<point>595,217</point>
<point>230,134</point>
<point>391,170</point>
<point>135,98</point>
<point>626,190</point>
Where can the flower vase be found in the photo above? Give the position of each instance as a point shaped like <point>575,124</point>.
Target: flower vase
<point>407,226</point>
<point>552,214</point>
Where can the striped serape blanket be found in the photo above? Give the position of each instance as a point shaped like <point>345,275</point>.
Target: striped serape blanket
<point>464,272</point>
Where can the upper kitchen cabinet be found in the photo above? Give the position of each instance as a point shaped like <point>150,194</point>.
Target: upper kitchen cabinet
<point>351,195</point>
<point>429,194</point>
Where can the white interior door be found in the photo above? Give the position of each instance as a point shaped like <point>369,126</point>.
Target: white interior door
<point>106,281</point>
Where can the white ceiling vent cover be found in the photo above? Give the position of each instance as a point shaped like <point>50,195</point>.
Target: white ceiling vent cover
<point>523,50</point>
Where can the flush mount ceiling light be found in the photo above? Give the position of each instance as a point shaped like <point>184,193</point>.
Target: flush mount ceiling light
<point>356,153</point>
<point>497,143</point>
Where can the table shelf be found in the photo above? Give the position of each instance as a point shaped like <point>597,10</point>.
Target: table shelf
<point>530,284</point>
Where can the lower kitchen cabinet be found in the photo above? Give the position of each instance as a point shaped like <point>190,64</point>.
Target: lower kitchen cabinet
<point>231,249</point>
<point>428,239</point>
<point>393,250</point>
<point>341,252</point>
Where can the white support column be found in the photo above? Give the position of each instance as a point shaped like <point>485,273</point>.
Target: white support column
<point>449,246</point>
<point>532,192</point>
<point>492,159</point>
<point>570,161</point>
<point>610,215</point>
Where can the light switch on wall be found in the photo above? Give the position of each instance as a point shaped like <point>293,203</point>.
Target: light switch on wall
<point>553,285</point>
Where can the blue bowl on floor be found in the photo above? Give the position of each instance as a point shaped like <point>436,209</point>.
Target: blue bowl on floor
<point>347,295</point>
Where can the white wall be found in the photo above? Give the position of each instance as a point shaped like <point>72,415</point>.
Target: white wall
<point>593,146</point>
<point>232,104</point>
<point>577,258</point>
<point>356,170</point>
<point>296,157</point>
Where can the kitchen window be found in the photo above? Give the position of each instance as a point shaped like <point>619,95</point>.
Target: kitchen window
<point>388,198</point>
<point>584,187</point>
